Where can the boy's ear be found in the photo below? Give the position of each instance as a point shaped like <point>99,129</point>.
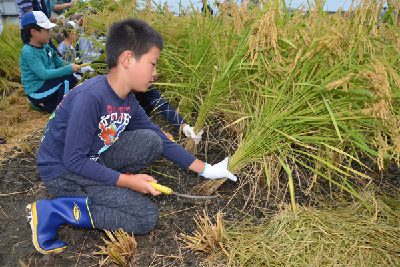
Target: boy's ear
<point>34,32</point>
<point>126,58</point>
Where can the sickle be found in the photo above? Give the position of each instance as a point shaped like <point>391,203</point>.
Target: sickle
<point>167,190</point>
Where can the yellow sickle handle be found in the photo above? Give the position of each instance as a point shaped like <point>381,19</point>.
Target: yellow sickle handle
<point>84,65</point>
<point>161,188</point>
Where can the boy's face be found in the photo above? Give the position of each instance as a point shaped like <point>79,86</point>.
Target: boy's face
<point>42,36</point>
<point>141,71</point>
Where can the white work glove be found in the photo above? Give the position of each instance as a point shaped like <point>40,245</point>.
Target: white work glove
<point>60,18</point>
<point>86,69</point>
<point>77,76</point>
<point>219,170</point>
<point>189,132</point>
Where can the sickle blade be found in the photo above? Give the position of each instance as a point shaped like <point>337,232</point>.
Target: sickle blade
<point>190,196</point>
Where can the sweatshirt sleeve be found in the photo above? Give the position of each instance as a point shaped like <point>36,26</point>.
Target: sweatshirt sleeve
<point>156,100</point>
<point>51,5</point>
<point>58,62</point>
<point>171,150</point>
<point>80,133</point>
<point>37,66</point>
<point>24,5</point>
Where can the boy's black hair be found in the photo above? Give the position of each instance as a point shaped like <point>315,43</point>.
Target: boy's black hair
<point>131,34</point>
<point>27,29</point>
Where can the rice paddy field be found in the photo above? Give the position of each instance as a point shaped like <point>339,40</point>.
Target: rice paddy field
<point>306,103</point>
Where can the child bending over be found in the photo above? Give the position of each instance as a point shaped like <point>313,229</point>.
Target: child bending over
<point>45,77</point>
<point>99,133</point>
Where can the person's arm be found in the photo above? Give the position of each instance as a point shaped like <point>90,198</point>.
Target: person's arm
<point>30,58</point>
<point>50,7</point>
<point>171,150</point>
<point>179,155</point>
<point>58,62</point>
<point>158,102</point>
<point>25,5</point>
<point>64,6</point>
<point>154,97</point>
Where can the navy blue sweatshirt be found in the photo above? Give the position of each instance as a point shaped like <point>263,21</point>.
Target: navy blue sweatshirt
<point>86,123</point>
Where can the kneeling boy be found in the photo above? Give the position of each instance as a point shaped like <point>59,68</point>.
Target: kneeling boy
<point>99,133</point>
<point>45,77</point>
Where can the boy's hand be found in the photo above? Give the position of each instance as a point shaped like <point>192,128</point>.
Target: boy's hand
<point>168,135</point>
<point>138,183</point>
<point>75,67</point>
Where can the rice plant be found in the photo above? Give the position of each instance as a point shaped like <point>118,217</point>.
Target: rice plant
<point>208,237</point>
<point>312,89</point>
<point>120,250</point>
<point>10,50</point>
<point>345,235</point>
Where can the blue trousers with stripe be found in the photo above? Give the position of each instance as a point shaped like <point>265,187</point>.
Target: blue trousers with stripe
<point>53,91</point>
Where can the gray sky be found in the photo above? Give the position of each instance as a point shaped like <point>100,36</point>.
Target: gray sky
<point>331,5</point>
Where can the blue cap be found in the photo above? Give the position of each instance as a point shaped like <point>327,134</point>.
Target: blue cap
<point>37,17</point>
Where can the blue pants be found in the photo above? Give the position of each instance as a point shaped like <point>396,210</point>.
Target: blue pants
<point>115,207</point>
<point>53,91</point>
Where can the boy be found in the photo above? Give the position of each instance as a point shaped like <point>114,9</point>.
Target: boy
<point>45,77</point>
<point>99,133</point>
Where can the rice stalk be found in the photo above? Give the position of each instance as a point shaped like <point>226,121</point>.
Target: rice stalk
<point>10,50</point>
<point>208,237</point>
<point>347,235</point>
<point>120,250</point>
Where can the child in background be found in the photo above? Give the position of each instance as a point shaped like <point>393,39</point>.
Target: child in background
<point>99,133</point>
<point>66,47</point>
<point>46,78</point>
<point>85,47</point>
